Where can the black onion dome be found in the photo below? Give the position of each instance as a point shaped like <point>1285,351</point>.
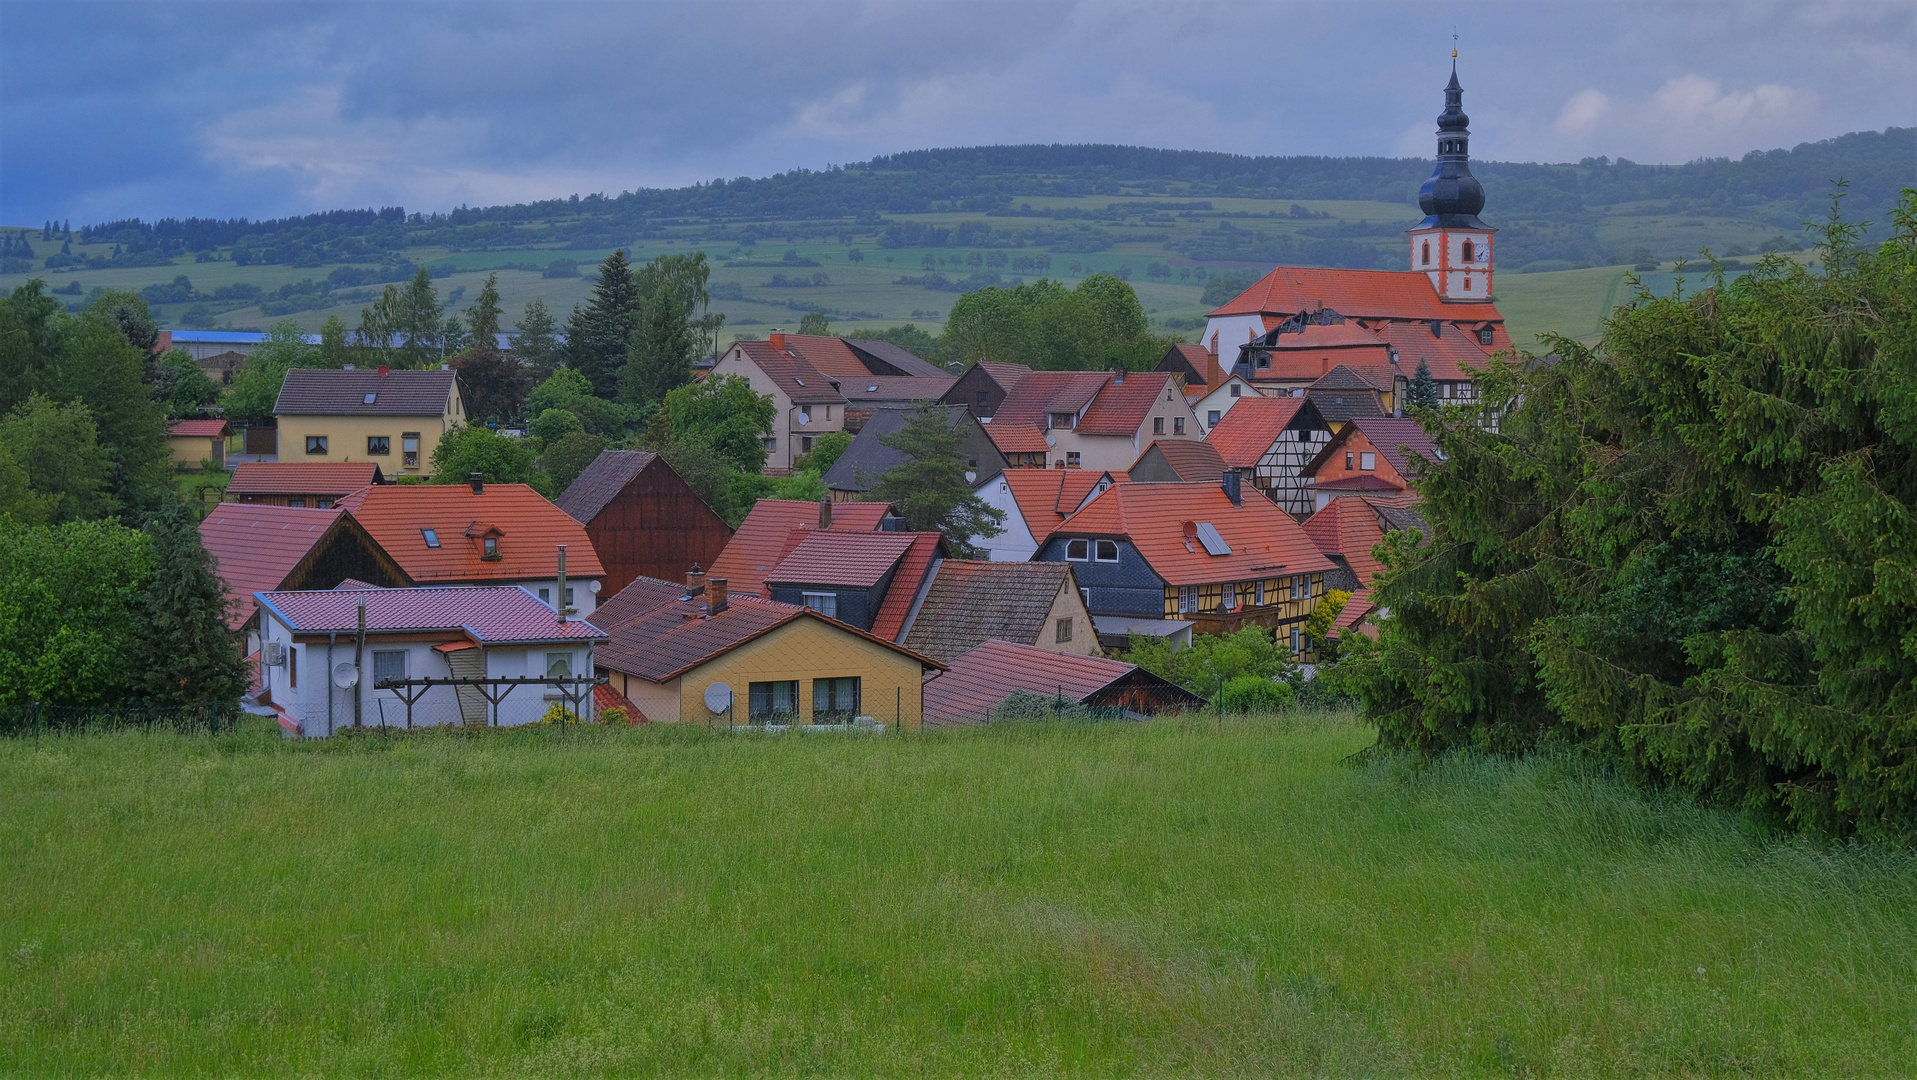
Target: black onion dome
<point>1451,197</point>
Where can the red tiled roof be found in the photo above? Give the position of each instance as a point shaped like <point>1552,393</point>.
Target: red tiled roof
<point>192,429</point>
<point>1397,438</point>
<point>255,546</point>
<point>1357,482</point>
<point>1401,294</point>
<point>1445,353</point>
<point>982,678</point>
<point>759,541</point>
<point>1046,497</point>
<point>301,477</point>
<point>1017,438</point>
<point>1264,540</point>
<point>671,639</point>
<point>1347,528</point>
<point>1355,609</point>
<point>1193,460</point>
<point>1344,335</point>
<point>1035,397</point>
<point>1196,355</point>
<point>1120,408</point>
<point>1380,377</point>
<point>643,594</point>
<point>487,614</point>
<point>834,557</point>
<point>605,697</point>
<point>529,529</point>
<point>798,380</point>
<point>330,392</point>
<point>1004,374</point>
<point>1245,434</point>
<point>904,590</point>
<point>831,356</point>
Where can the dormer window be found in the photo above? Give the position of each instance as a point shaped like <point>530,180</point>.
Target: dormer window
<point>489,547</point>
<point>432,537</point>
<point>1063,419</point>
<point>1484,336</point>
<point>1078,550</point>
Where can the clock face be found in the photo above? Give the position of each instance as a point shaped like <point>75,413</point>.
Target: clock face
<point>718,697</point>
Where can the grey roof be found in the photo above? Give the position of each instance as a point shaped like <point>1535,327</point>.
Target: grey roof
<point>908,363</point>
<point>971,602</point>
<point>1338,405</point>
<point>1399,518</point>
<point>602,481</point>
<point>867,458</point>
<point>331,392</point>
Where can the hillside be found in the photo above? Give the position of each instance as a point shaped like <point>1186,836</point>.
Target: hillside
<point>895,239</point>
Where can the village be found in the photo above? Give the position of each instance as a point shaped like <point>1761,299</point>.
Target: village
<point>1242,482</point>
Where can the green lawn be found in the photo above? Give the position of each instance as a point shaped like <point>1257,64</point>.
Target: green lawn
<point>1179,897</point>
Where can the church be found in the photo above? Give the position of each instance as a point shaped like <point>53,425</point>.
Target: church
<point>1320,332</point>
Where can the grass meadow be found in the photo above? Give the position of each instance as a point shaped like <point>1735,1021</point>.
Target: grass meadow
<point>1180,897</point>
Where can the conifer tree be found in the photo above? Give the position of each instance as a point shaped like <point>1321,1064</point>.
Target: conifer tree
<point>929,487</point>
<point>659,356</point>
<point>535,340</point>
<point>482,319</point>
<point>598,333</point>
<point>183,651</point>
<point>1424,389</point>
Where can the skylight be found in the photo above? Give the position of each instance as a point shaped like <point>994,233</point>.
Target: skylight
<point>371,396</point>
<point>873,389</point>
<point>432,537</point>
<point>1214,543</point>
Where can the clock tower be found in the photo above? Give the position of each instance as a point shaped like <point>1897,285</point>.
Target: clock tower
<point>1451,246</point>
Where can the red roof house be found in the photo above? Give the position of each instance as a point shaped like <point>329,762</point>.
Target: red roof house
<point>761,539</point>
<point>980,680</point>
<point>261,547</point>
<point>300,483</point>
<point>1271,440</point>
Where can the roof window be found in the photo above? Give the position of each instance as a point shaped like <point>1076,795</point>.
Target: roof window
<point>798,380</point>
<point>371,396</point>
<point>873,389</point>
<point>432,537</point>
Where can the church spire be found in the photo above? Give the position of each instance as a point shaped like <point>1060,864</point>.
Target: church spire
<point>1452,196</point>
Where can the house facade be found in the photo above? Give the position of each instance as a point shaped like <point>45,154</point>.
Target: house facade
<point>1093,419</point>
<point>391,418</point>
<point>854,577</point>
<point>266,548</point>
<point>1034,502</point>
<point>825,384</point>
<point>1369,456</point>
<point>323,674</point>
<point>191,442</point>
<point>1269,441</point>
<point>983,386</point>
<point>970,602</point>
<point>642,519</point>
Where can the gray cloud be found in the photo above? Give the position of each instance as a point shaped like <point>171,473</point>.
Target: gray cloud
<point>271,108</point>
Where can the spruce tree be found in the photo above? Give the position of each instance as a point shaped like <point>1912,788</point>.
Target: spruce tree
<point>929,487</point>
<point>482,319</point>
<point>536,341</point>
<point>598,333</point>
<point>183,651</point>
<point>1424,389</point>
<point>659,356</point>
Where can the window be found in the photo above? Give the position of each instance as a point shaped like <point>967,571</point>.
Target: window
<point>1062,632</point>
<point>769,444</point>
<point>545,596</point>
<point>1106,550</point>
<point>835,701</point>
<point>370,398</point>
<point>1212,416</point>
<point>489,548</point>
<point>1347,459</point>
<point>1444,389</point>
<point>805,443</point>
<point>569,596</point>
<point>1484,336</point>
<point>409,449</point>
<point>1078,550</point>
<point>983,399</point>
<point>1427,253</point>
<point>316,444</point>
<point>1228,597</point>
<point>824,603</point>
<point>1063,419</point>
<point>380,445</point>
<point>1178,425</point>
<point>1264,360</point>
<point>805,414</point>
<point>772,702</point>
<point>325,504</point>
<point>558,665</point>
<point>1237,390</point>
<point>432,537</point>
<point>1158,425</point>
<point>389,665</point>
<point>1367,461</point>
<point>1188,599</point>
<point>292,666</point>
<point>1470,252</point>
<point>1071,459</point>
<point>1258,594</point>
<point>296,502</point>
<point>1295,642</point>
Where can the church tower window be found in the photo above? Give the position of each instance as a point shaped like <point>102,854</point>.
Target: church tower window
<point>1470,252</point>
<point>1427,253</point>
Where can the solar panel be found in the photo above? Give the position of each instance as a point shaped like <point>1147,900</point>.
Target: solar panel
<point>1214,543</point>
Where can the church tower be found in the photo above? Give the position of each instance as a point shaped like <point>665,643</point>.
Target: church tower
<point>1451,246</point>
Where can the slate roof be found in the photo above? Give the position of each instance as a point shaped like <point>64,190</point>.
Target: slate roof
<point>529,529</point>
<point>895,388</point>
<point>330,392</point>
<point>971,602</point>
<point>666,641</point>
<point>302,477</point>
<point>1357,482</point>
<point>1245,434</point>
<point>1400,294</point>
<point>1379,377</point>
<point>897,356</point>
<point>986,675</point>
<point>834,557</point>
<point>192,429</point>
<point>601,482</point>
<point>1264,540</point>
<point>1192,459</point>
<point>487,614</point>
<point>760,539</point>
<point>256,545</point>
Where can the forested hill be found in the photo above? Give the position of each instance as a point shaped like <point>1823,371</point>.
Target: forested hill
<point>1780,187</point>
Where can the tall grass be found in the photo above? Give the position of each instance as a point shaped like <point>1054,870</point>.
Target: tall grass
<point>1178,897</point>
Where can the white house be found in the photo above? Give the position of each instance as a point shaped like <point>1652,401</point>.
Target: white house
<point>319,677</point>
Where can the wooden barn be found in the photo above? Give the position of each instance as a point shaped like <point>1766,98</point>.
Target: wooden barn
<point>642,519</point>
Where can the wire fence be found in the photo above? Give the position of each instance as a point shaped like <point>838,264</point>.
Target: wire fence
<point>27,719</point>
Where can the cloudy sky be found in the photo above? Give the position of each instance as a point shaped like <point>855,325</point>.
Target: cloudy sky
<point>259,109</point>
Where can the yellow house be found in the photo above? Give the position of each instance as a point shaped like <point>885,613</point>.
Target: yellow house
<point>692,654</point>
<point>193,441</point>
<point>394,419</point>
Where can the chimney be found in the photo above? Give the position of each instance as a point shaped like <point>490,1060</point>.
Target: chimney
<point>695,580</point>
<point>777,339</point>
<point>825,513</point>
<point>715,595</point>
<point>478,481</point>
<point>1232,490</point>
<point>384,371</point>
<point>561,595</point>
<point>1118,376</point>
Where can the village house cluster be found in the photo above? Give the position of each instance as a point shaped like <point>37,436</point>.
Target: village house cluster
<point>1235,485</point>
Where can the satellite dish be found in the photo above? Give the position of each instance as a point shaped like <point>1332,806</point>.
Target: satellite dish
<point>593,586</point>
<point>718,697</point>
<point>971,476</point>
<point>345,676</point>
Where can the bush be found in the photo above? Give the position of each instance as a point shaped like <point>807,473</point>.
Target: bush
<point>554,425</point>
<point>615,716</point>
<point>1255,693</point>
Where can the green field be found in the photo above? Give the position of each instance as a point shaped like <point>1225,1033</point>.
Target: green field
<point>1180,897</point>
